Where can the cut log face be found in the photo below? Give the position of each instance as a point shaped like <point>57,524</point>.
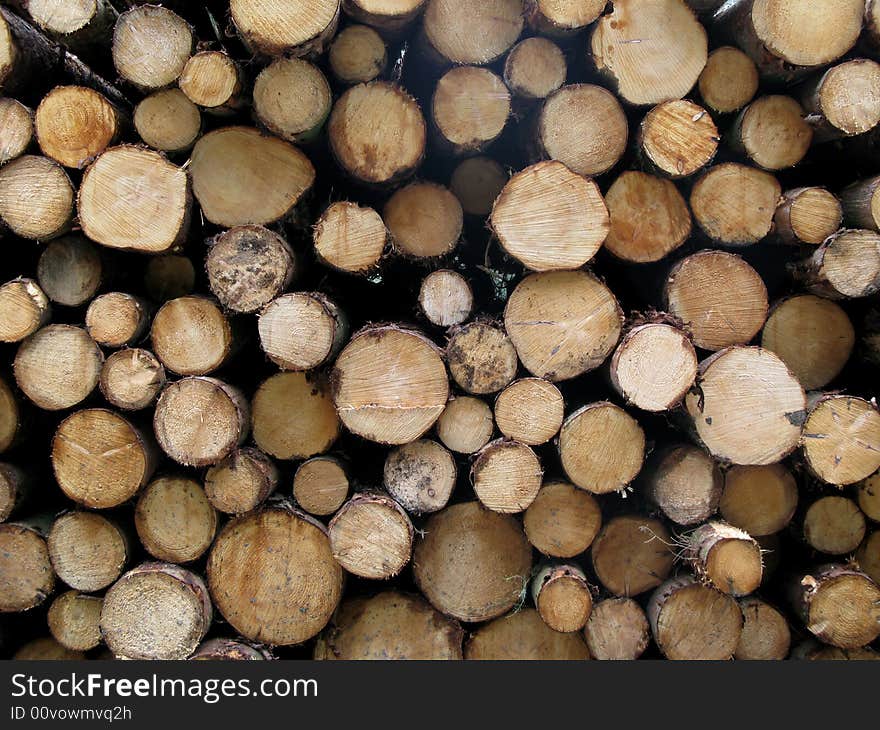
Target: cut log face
<point>420,476</point>
<point>156,611</point>
<point>530,411</point>
<point>424,220</point>
<point>506,476</point>
<point>14,488</point>
<point>649,218</point>
<point>390,625</point>
<point>727,557</point>
<point>548,217</point>
<point>476,182</point>
<point>721,299</point>
<point>389,385</point>
<point>654,366</point>
<point>563,520</point>
<point>70,270</point>
<point>99,459</point>
<point>472,31</point>
<point>563,597</point>
<point>26,575</point>
<point>481,358</point>
<point>617,630</point>
<point>73,620</point>
<point>562,18</point>
<point>301,331</point>
<point>601,448</point>
<point>471,563</point>
<point>834,525</point>
<point>131,379</point>
<point>845,98</point>
<point>839,606</point>
<point>74,124</point>
<point>10,417</point>
<point>212,80</point>
<point>841,440</point>
<point>632,555</point>
<point>16,129</point>
<point>355,127</point>
<point>445,298</point>
<point>813,336</point>
<point>868,556</point>
<point>523,635</point>
<point>562,324</point>
<point>584,127</point>
<point>678,138</point>
<point>666,70</point>
<point>58,366</point>
<point>174,519</point>
<point>293,417</point>
<point>248,266</point>
<point>320,485</point>
<point>807,215</point>
<point>357,55</point>
<point>761,500</point>
<point>371,536</point>
<point>749,409</point>
<point>285,27</point>
<point>765,635</point>
<point>151,46</point>
<point>24,308</point>
<point>199,421</point>
<point>470,107</point>
<point>729,81</point>
<point>390,17</point>
<point>168,121</point>
<point>692,621</point>
<point>241,482</point>
<point>295,590</point>
<point>466,425</point>
<point>112,216</point>
<point>36,198</point>
<point>191,336</point>
<point>734,204</point>
<point>869,497</point>
<point>292,99</point>
<point>846,266</point>
<point>47,649</point>
<point>685,483</point>
<point>242,177</point>
<point>807,33</point>
<point>116,319</point>
<point>88,551</point>
<point>773,133</point>
<point>350,237</point>
<point>534,68</point>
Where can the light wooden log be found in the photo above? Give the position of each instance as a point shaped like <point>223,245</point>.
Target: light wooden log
<point>761,500</point>
<point>15,490</point>
<point>842,101</point>
<point>685,483</point>
<point>750,409</point>
<point>807,216</point>
<point>471,563</point>
<point>772,133</point>
<point>357,55</point>
<point>390,19</point>
<point>73,620</point>
<point>302,330</point>
<point>601,448</point>
<point>481,358</point>
<point>420,476</point>
<point>117,319</point>
<point>472,31</point>
<point>563,520</point>
<point>765,635</point>
<point>869,497</point>
<point>83,25</point>
<point>88,551</point>
<point>562,597</point>
<point>24,308</point>
<point>721,299</point>
<point>70,270</point>
<point>562,18</point>
<point>151,45</point>
<point>11,417</point>
<point>293,417</point>
<point>534,68</point>
<point>350,238</point>
<point>298,587</point>
<point>320,485</point>
<point>834,525</point>
<point>617,630</point>
<point>285,27</point>
<point>530,410</point>
<point>678,138</point>
<point>36,198</point>
<point>476,182</point>
<point>465,425</point>
<point>191,336</point>
<point>445,298</point>
<point>26,575</point>
<point>562,324</point>
<point>725,556</point>
<point>131,379</point>
<point>213,81</point>
<point>168,121</point>
<point>424,220</point>
<point>506,476</point>
<point>156,611</point>
<point>470,108</point>
<point>58,366</point>
<point>729,81</point>
<point>292,99</point>
<point>241,482</point>
<point>174,519</point>
<point>16,129</point>
<point>523,635</point>
<point>632,554</point>
<point>868,556</point>
<point>845,266</point>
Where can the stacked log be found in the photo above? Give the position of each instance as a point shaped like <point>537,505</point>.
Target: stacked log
<point>440,329</point>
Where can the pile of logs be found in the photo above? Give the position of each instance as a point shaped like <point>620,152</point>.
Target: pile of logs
<point>522,329</point>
